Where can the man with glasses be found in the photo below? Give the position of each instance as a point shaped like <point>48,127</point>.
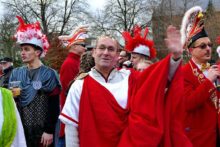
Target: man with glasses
<point>75,44</point>
<point>97,108</point>
<point>201,123</point>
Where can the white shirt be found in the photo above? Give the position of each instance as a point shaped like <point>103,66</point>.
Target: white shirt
<point>117,85</point>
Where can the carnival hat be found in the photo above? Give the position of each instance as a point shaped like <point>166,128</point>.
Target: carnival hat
<point>192,27</point>
<point>78,36</point>
<point>138,43</point>
<point>31,34</point>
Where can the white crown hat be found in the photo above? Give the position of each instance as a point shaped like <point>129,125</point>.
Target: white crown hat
<point>78,35</point>
<point>31,34</point>
<point>143,50</point>
<point>192,27</point>
<point>138,43</point>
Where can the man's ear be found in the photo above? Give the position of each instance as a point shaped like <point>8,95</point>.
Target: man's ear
<point>38,52</point>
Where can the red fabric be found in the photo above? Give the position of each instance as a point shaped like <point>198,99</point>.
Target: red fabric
<point>55,91</point>
<point>200,120</point>
<point>154,118</point>
<point>68,71</point>
<point>101,119</point>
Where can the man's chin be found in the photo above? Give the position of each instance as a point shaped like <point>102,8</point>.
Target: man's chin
<point>25,61</point>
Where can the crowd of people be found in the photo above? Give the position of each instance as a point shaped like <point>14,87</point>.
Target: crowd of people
<point>112,95</point>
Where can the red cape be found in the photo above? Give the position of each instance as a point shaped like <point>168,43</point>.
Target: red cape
<point>154,119</point>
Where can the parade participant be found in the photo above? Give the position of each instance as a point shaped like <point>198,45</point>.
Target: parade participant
<point>75,43</point>
<point>38,99</point>
<point>140,48</point>
<point>11,129</point>
<point>156,102</point>
<point>97,108</point>
<point>7,67</point>
<point>201,122</point>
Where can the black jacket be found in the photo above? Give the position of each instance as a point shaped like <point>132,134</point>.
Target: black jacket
<point>4,79</point>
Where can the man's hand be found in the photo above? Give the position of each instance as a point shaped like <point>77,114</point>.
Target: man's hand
<point>213,73</point>
<point>173,42</point>
<point>46,139</point>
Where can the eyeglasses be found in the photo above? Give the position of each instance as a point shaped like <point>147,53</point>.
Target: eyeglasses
<point>109,48</point>
<point>204,46</point>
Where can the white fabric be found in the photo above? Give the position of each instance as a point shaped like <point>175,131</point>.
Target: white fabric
<point>19,140</point>
<point>71,136</point>
<point>218,51</point>
<point>142,49</point>
<point>116,80</point>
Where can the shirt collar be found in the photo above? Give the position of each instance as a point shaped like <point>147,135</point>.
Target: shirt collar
<point>96,73</point>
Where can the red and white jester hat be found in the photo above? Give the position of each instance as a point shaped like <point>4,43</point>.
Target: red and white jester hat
<point>138,43</point>
<point>78,36</point>
<point>31,34</point>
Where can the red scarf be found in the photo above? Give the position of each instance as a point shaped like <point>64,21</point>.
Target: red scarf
<point>101,119</point>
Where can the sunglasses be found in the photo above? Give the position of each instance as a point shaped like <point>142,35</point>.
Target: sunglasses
<point>204,46</point>
<point>83,45</point>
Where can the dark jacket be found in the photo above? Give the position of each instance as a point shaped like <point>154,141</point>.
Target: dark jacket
<point>4,79</point>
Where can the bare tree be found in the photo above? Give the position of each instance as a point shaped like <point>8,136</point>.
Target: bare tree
<point>169,12</point>
<point>56,16</point>
<point>120,15</point>
<point>7,29</point>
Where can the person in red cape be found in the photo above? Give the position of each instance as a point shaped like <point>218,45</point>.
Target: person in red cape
<point>106,107</point>
<point>140,47</point>
<point>75,43</point>
<point>201,96</point>
<point>156,109</point>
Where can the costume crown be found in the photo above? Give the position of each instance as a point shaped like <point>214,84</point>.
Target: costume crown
<point>192,27</point>
<point>31,34</point>
<point>78,35</point>
<point>138,43</point>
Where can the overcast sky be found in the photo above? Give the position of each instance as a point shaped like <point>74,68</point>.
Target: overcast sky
<point>95,4</point>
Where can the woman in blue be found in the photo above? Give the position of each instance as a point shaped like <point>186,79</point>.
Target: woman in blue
<point>38,102</point>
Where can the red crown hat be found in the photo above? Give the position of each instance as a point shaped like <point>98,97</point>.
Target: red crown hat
<point>31,34</point>
<point>78,35</point>
<point>138,43</point>
<point>192,27</point>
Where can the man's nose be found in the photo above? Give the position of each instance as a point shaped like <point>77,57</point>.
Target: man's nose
<point>106,51</point>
